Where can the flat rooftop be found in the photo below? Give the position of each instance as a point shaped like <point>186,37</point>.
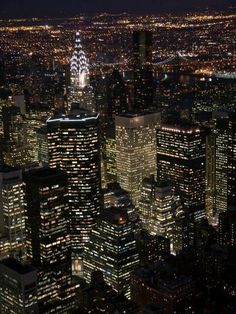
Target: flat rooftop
<point>16,266</point>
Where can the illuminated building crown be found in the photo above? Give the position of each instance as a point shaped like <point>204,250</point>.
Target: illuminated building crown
<point>79,66</point>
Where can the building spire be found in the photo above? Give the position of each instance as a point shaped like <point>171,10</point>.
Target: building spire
<point>79,66</point>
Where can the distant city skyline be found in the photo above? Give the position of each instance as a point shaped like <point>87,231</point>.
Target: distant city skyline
<point>29,8</point>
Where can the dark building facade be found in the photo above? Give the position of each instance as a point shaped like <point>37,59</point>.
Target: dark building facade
<point>143,75</point>
<point>48,238</point>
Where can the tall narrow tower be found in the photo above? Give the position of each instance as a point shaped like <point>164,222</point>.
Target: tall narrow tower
<point>47,237</point>
<point>73,145</point>
<point>80,90</point>
<point>143,75</point>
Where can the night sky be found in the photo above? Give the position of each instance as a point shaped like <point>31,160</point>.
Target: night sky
<point>28,8</point>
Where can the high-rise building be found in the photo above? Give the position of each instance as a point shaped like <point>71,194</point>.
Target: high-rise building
<point>115,196</point>
<point>232,160</point>
<point>227,228</point>
<point>135,150</point>
<point>80,90</point>
<point>18,288</point>
<point>73,144</point>
<point>181,153</point>
<point>14,146</point>
<point>222,188</point>
<point>210,176</point>
<point>42,144</point>
<point>12,214</point>
<point>221,166</point>
<point>116,94</point>
<point>143,75</point>
<point>159,208</point>
<point>47,237</point>
<point>152,248</point>
<point>36,118</point>
<point>112,249</point>
<point>110,157</point>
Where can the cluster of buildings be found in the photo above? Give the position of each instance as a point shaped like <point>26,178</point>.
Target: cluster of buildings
<point>111,202</point>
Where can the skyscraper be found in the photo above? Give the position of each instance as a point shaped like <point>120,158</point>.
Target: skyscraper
<point>18,288</point>
<point>12,215</point>
<point>48,239</point>
<point>116,94</point>
<point>181,153</point>
<point>143,75</point>
<point>73,144</point>
<point>112,249</point>
<point>135,150</point>
<point>14,145</point>
<point>223,186</point>
<point>80,90</point>
<point>159,208</point>
<point>36,118</point>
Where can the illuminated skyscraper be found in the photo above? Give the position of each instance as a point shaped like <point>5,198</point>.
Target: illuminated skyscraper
<point>225,164</point>
<point>159,208</point>
<point>210,176</point>
<point>14,145</point>
<point>73,143</point>
<point>112,249</point>
<point>47,237</point>
<point>42,144</point>
<point>143,75</point>
<point>221,166</point>
<point>36,118</point>
<point>80,89</point>
<point>12,216</point>
<point>135,150</point>
<point>181,153</point>
<point>110,157</point>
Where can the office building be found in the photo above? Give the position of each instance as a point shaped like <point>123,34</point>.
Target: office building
<point>36,118</point>
<point>181,153</point>
<point>227,231</point>
<point>143,74</point>
<point>152,248</point>
<point>73,146</point>
<point>112,249</point>
<point>115,196</point>
<point>159,208</point>
<point>48,239</point>
<point>135,150</point>
<point>12,214</point>
<point>222,188</point>
<point>42,144</point>
<point>18,288</point>
<point>14,145</point>
<point>110,157</point>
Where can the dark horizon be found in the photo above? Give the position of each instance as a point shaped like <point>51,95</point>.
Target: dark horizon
<point>53,8</point>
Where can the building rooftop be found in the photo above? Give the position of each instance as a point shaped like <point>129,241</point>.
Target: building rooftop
<point>16,266</point>
<point>114,215</point>
<point>80,117</point>
<point>44,173</point>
